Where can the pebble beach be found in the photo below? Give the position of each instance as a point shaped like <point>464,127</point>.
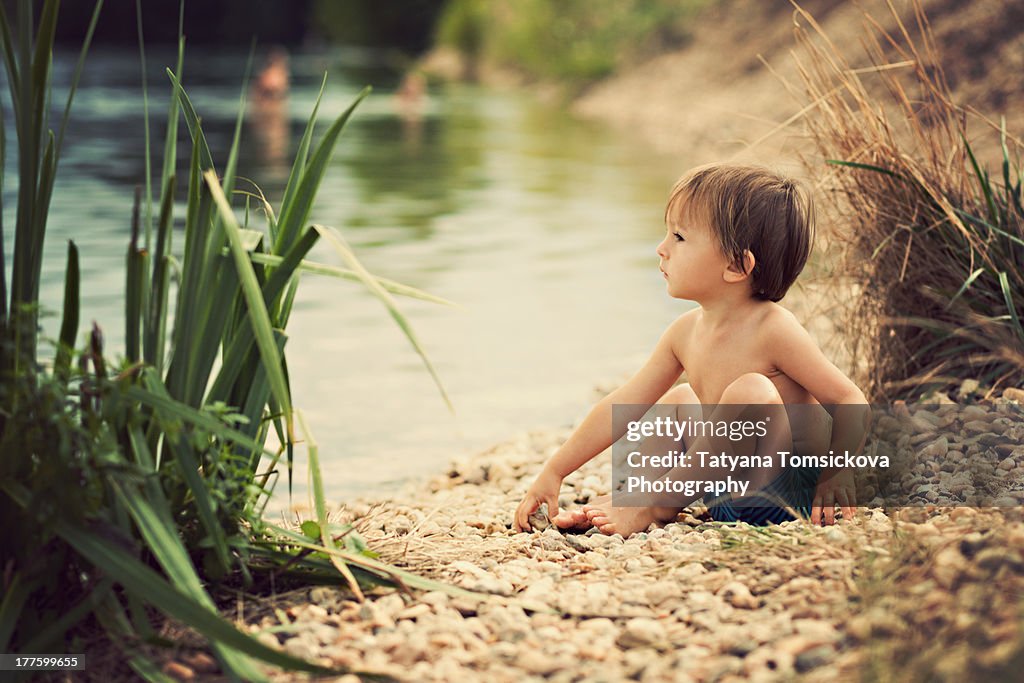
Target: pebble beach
<point>921,590</point>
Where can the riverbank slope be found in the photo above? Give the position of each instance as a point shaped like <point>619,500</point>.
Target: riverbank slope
<point>723,94</point>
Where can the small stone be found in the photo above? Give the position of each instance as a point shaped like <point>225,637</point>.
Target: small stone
<point>435,598</point>
<point>299,647</point>
<point>1014,394</point>
<point>742,647</point>
<point>535,662</point>
<point>541,590</point>
<point>977,426</point>
<point>314,613</point>
<point>414,612</point>
<point>400,525</point>
<point>974,413</point>
<point>738,595</point>
<point>201,662</point>
<point>179,671</point>
<point>269,640</point>
<point>835,534</point>
<point>967,387</point>
<point>641,632</point>
<point>324,596</point>
<point>539,521</point>
<point>767,661</point>
<point>815,657</point>
<point>816,631</point>
<point>599,540</point>
<point>475,474</point>
<point>578,542</point>
<point>936,449</point>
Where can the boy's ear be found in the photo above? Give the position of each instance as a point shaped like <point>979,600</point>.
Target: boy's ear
<point>734,274</point>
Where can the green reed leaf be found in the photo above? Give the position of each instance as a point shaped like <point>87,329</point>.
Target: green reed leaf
<point>296,211</point>
<point>299,166</point>
<point>320,503</point>
<point>157,528</point>
<point>258,315</point>
<point>1004,284</point>
<point>154,589</point>
<point>317,268</point>
<point>963,288</point>
<point>983,182</point>
<point>192,121</point>
<point>869,167</point>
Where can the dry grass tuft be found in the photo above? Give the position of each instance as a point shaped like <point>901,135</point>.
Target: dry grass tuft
<point>931,247</point>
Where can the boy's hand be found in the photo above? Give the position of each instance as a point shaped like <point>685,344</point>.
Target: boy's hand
<point>834,488</point>
<point>543,490</point>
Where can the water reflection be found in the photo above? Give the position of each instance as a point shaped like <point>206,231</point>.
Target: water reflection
<point>268,111</point>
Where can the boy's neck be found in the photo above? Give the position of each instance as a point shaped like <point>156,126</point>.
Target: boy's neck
<point>729,308</point>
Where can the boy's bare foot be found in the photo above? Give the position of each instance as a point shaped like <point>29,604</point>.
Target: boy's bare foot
<point>610,519</point>
<point>571,519</point>
<point>577,519</point>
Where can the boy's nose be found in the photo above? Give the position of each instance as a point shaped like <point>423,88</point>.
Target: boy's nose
<point>660,249</point>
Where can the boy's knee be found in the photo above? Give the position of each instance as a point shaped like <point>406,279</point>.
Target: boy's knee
<point>752,388</point>
<point>682,395</point>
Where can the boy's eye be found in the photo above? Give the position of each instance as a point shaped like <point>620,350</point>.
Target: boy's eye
<point>679,238</point>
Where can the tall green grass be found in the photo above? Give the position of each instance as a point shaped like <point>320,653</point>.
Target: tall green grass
<point>140,485</point>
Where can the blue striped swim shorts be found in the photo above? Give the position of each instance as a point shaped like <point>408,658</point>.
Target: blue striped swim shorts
<point>794,486</point>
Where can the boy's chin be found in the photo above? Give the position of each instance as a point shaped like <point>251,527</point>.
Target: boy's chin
<point>675,293</point>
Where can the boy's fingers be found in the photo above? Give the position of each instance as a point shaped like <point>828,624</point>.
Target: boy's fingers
<point>830,508</point>
<point>843,497</point>
<point>552,507</point>
<point>816,511</point>
<point>523,513</point>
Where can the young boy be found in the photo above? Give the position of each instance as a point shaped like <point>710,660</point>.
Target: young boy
<point>737,237</point>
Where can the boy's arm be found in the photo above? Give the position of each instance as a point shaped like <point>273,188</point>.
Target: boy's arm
<point>799,358</point>
<point>595,433</point>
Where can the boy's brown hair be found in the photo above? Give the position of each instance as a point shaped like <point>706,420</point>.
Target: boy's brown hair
<point>750,207</point>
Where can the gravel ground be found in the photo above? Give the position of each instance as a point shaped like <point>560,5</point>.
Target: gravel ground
<point>912,593</point>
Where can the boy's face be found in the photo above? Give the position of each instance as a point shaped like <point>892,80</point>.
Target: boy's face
<point>692,260</point>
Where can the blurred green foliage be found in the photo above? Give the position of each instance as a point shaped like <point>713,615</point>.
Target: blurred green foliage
<point>406,24</point>
<point>574,41</point>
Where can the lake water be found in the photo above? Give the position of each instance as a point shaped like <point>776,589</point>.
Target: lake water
<point>541,226</point>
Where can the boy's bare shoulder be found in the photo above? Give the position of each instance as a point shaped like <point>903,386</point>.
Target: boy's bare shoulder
<point>780,325</point>
<point>683,324</point>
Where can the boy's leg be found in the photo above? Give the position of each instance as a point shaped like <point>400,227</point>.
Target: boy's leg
<point>749,397</point>
<point>683,403</point>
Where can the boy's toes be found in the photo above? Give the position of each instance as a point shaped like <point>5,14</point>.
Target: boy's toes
<point>597,518</point>
<point>571,519</point>
<point>598,503</point>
